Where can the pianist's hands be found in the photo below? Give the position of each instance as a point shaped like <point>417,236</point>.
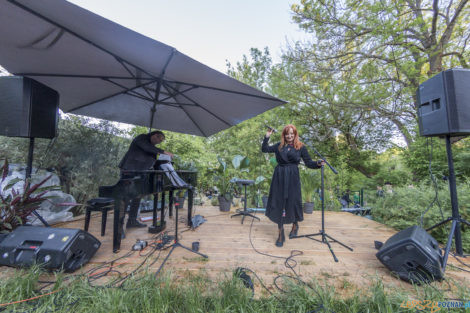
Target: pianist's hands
<point>169,153</point>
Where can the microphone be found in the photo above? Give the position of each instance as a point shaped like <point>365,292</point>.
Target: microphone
<point>270,128</point>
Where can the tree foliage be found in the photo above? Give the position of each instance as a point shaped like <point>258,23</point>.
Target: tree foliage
<point>191,153</point>
<point>84,155</point>
<point>367,58</point>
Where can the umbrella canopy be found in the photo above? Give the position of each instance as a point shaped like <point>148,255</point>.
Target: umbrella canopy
<point>104,70</point>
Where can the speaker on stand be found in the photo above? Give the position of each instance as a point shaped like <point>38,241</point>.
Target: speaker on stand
<point>29,109</point>
<point>443,111</point>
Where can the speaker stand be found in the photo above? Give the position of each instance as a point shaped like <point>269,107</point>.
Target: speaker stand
<point>456,218</point>
<point>322,233</point>
<point>29,169</point>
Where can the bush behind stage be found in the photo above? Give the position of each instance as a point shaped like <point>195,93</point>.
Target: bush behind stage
<point>403,208</point>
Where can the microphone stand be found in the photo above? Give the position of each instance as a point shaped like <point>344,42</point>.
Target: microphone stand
<point>322,233</point>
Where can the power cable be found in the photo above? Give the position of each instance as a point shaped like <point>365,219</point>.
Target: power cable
<point>434,182</point>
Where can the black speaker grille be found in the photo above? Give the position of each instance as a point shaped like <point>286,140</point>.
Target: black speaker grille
<point>413,255</point>
<point>29,108</point>
<point>444,104</point>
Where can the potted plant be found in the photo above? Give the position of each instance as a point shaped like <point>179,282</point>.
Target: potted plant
<point>223,185</point>
<point>307,180</point>
<point>261,196</point>
<point>265,183</point>
<point>179,198</point>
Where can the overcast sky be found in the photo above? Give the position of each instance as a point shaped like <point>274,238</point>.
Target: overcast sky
<point>210,31</point>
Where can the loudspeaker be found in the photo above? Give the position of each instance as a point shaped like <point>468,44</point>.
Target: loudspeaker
<point>413,255</point>
<point>29,108</point>
<point>52,248</point>
<point>444,104</point>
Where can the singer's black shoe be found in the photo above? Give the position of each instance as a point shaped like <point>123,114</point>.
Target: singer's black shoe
<point>135,224</point>
<point>280,240</point>
<point>294,231</point>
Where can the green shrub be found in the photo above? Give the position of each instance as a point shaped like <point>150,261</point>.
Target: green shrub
<point>403,208</point>
<point>16,205</point>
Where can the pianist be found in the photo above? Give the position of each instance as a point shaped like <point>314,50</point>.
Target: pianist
<point>141,156</point>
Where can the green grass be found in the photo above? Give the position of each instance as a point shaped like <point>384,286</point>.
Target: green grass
<point>197,293</point>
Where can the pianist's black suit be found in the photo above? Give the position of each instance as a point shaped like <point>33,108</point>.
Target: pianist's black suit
<point>140,156</point>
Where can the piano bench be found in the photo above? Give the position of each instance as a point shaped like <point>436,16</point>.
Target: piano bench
<point>98,204</point>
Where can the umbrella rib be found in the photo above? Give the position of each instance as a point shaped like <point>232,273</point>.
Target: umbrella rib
<point>79,76</point>
<point>229,91</point>
<point>146,89</point>
<point>176,104</point>
<point>194,122</point>
<point>74,34</point>
<point>173,95</point>
<point>181,107</point>
<point>161,93</point>
<point>131,92</point>
<point>123,63</point>
<point>110,96</point>
<point>197,104</point>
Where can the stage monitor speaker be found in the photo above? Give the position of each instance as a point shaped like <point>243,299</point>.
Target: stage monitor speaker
<point>444,104</point>
<point>413,255</point>
<point>29,108</point>
<point>52,248</point>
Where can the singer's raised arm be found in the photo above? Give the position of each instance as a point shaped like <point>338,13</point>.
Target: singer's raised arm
<point>266,148</point>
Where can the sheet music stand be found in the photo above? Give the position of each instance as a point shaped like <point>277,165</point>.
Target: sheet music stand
<point>176,242</point>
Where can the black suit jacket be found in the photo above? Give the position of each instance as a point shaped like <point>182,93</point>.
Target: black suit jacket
<point>141,154</point>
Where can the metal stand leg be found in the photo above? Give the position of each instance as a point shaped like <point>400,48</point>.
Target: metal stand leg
<point>118,222</point>
<point>176,244</point>
<point>170,204</point>
<point>456,218</point>
<point>156,227</point>
<point>322,232</point>
<point>245,213</point>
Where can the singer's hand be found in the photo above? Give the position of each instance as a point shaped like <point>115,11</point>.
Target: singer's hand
<point>269,133</point>
<point>320,163</point>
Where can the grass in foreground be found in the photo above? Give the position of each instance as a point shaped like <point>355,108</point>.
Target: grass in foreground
<point>197,293</point>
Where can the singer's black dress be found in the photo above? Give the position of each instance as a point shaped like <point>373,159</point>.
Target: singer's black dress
<point>285,186</point>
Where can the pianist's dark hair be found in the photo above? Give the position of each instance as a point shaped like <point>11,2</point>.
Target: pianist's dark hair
<point>156,132</point>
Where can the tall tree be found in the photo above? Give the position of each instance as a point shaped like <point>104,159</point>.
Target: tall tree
<point>388,46</point>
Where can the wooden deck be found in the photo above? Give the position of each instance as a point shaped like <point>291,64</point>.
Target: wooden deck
<point>227,243</point>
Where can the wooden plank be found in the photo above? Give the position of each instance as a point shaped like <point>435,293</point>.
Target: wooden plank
<point>227,243</point>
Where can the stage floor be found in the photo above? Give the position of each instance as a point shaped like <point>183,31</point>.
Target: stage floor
<point>227,243</point>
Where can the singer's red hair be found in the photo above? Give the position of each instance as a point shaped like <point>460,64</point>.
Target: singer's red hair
<point>297,143</point>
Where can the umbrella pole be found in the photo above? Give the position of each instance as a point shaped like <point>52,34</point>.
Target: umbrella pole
<point>159,87</point>
<point>152,114</point>
<point>154,107</point>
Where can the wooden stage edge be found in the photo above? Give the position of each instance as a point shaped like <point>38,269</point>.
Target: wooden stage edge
<point>230,244</point>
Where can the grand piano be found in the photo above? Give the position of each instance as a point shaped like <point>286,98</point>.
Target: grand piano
<point>143,183</point>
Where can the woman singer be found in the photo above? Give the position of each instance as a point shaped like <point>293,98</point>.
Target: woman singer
<point>285,198</point>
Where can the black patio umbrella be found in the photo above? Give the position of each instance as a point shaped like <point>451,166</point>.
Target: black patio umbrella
<point>104,70</point>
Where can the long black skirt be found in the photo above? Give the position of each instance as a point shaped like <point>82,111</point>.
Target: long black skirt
<point>285,193</point>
